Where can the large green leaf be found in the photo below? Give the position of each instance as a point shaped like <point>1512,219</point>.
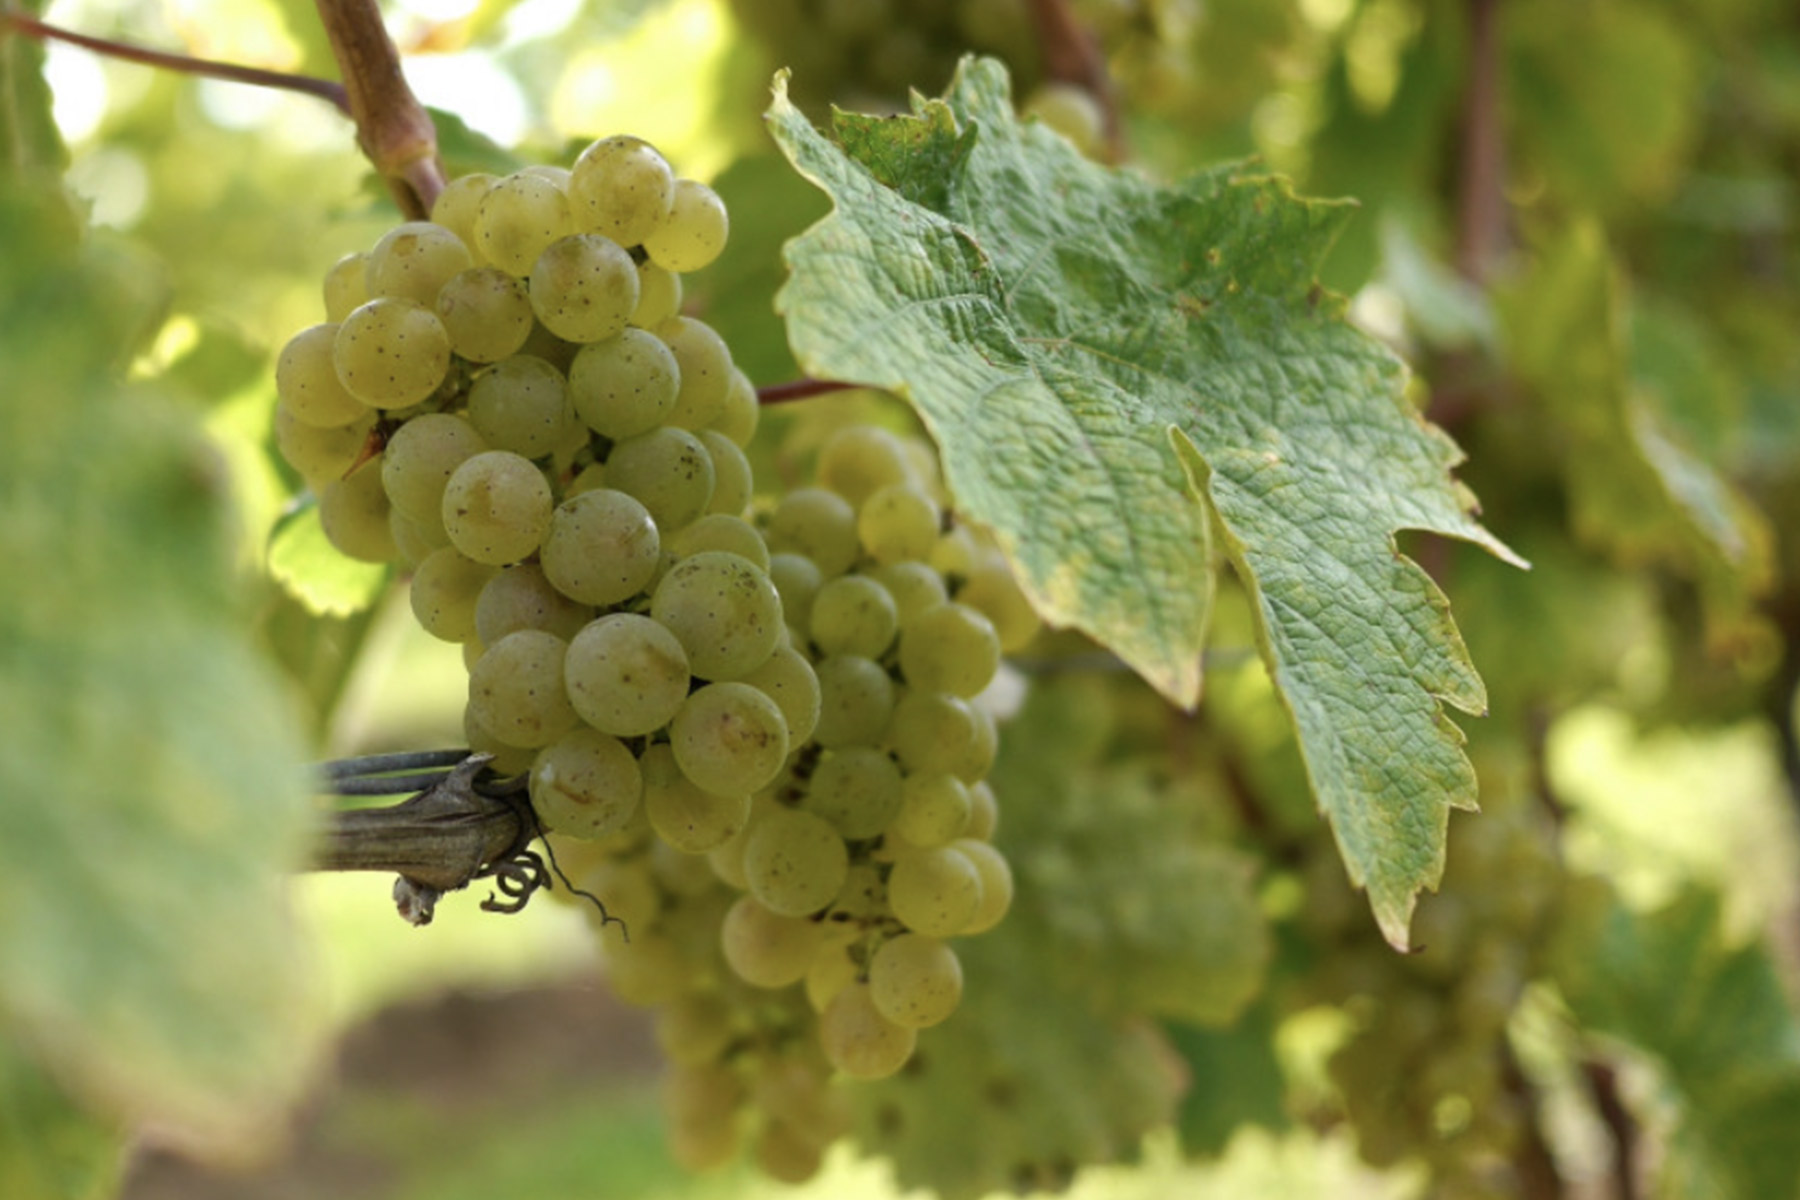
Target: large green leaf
<point>29,140</point>
<point>151,796</point>
<point>1110,368</point>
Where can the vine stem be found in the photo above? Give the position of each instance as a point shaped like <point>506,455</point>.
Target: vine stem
<point>800,389</point>
<point>327,90</point>
<point>1481,202</point>
<point>392,127</point>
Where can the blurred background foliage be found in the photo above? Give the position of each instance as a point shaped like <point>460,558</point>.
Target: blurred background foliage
<point>1624,371</point>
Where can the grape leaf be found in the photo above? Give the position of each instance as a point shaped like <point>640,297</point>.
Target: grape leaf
<point>1715,1014</point>
<point>1110,368</point>
<point>1237,1081</point>
<point>29,139</point>
<point>151,796</point>
<point>312,570</point>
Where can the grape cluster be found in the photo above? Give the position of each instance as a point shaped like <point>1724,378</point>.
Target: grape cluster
<point>756,727</point>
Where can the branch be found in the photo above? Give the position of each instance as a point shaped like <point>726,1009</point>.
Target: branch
<point>325,89</point>
<point>1481,200</point>
<point>1603,1081</point>
<point>392,127</point>
<point>800,389</point>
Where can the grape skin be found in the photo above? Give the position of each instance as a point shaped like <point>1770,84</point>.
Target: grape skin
<point>729,738</point>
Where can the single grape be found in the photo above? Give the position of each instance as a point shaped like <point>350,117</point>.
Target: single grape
<point>786,1154</point>
<point>586,784</point>
<point>956,554</point>
<point>694,231</point>
<point>915,981</point>
<point>951,648</point>
<point>795,862</point>
<point>695,1029</point>
<point>520,597</point>
<point>459,204</point>
<point>626,675</point>
<point>506,759</point>
<point>667,470</point>
<point>857,789</point>
<point>789,680</point>
<point>935,892</point>
<point>914,586</point>
<point>486,313</point>
<point>934,810</point>
<point>413,260</point>
<point>306,379</point>
<point>686,817</point>
<point>391,353</point>
<point>816,524</point>
<point>996,883</point>
<point>977,757</point>
<point>497,507</point>
<point>705,369</point>
<point>857,460</point>
<point>858,1040</point>
<point>717,531</point>
<point>990,587</point>
<point>516,689</point>
<point>659,296</point>
<point>732,479</point>
<point>419,460</point>
<point>1072,111</point>
<point>797,579</point>
<point>898,522</point>
<point>742,410</point>
<point>862,900</point>
<point>519,217</point>
<point>624,386</point>
<point>724,611</point>
<point>602,547</point>
<point>856,701</point>
<point>853,614</point>
<point>444,592</point>
<point>703,1129</point>
<point>984,812</point>
<point>354,513</point>
<point>541,343</point>
<point>321,456</point>
<point>584,288</point>
<point>830,973</point>
<point>729,738</point>
<point>346,286</point>
<point>622,187</point>
<point>522,405</point>
<point>766,948</point>
<point>415,541</point>
<point>930,732</point>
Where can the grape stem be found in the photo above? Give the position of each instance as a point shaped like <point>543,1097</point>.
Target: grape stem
<point>800,389</point>
<point>392,127</point>
<point>327,90</point>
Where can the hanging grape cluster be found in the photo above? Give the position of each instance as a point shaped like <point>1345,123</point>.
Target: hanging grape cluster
<point>756,726</point>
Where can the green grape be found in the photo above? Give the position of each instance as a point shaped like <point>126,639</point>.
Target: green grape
<point>830,973</point>
<point>413,260</point>
<point>306,380</point>
<point>584,287</point>
<point>677,872</point>
<point>915,981</point>
<point>522,405</point>
<point>694,1030</point>
<point>977,758</point>
<point>693,232</point>
<point>853,614</point>
<point>716,531</point>
<point>935,892</point>
<point>816,524</point>
<point>789,680</point>
<point>507,760</point>
<point>795,1087</point>
<point>622,187</point>
<point>729,738</point>
<point>415,541</point>
<point>858,460</point>
<point>354,513</point>
<point>346,286</point>
<point>659,296</point>
<point>930,732</point>
<point>459,204</point>
<point>742,410</point>
<point>602,547</point>
<point>724,611</point>
<point>391,353</point>
<point>1072,111</point>
<point>990,587</point>
<point>520,597</point>
<point>858,1040</point>
<point>648,971</point>
<point>863,898</point>
<point>857,789</point>
<point>984,813</point>
<point>625,885</point>
<point>420,458</point>
<point>996,883</point>
<point>591,478</point>
<point>625,385</point>
<point>497,507</point>
<point>321,456</point>
<point>705,371</point>
<point>934,810</point>
<point>726,861</point>
<point>794,862</point>
<point>684,816</point>
<point>914,586</point>
<point>541,343</point>
<point>951,648</point>
<point>702,1140</point>
<point>667,470</point>
<point>732,480</point>
<point>786,1154</point>
<point>444,592</point>
<point>766,948</point>
<point>898,522</point>
<point>856,702</point>
<point>516,689</point>
<point>626,675</point>
<point>956,553</point>
<point>519,217</point>
<point>586,784</point>
<point>797,579</point>
<point>486,313</point>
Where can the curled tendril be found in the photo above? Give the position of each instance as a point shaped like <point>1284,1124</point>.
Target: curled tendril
<point>518,878</point>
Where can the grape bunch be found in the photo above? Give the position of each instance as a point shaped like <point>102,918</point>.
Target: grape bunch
<point>751,733</point>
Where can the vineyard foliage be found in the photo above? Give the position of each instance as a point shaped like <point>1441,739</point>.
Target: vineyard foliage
<point>1391,408</point>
